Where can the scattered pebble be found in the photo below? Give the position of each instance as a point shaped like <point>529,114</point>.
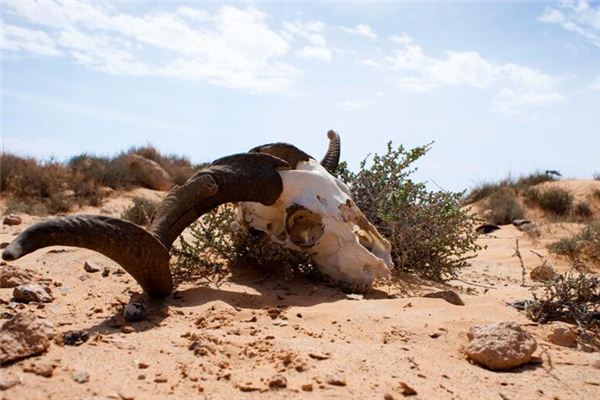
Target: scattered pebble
<point>336,380</point>
<point>105,272</point>
<point>41,369</point>
<point>449,295</point>
<point>407,390</point>
<point>11,276</point>
<point>307,387</point>
<point>75,338</point>
<point>142,365</point>
<point>160,379</point>
<point>32,292</point>
<point>319,356</point>
<point>12,219</point>
<point>563,336</point>
<point>80,376</point>
<point>278,382</point>
<point>90,267</point>
<point>127,329</point>
<point>7,383</point>
<point>134,312</point>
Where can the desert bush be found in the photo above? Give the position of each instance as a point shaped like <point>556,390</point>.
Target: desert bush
<point>430,235</point>
<point>582,211</point>
<point>140,212</point>
<point>485,189</point>
<point>180,168</point>
<point>572,297</point>
<point>504,207</point>
<point>596,176</point>
<point>556,201</point>
<point>583,247</point>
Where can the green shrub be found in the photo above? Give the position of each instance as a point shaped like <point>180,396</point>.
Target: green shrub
<point>504,207</point>
<point>140,212</point>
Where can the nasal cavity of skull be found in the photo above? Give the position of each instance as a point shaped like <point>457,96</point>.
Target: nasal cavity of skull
<point>364,238</point>
<point>304,227</point>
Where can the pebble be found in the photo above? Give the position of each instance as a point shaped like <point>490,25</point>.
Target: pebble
<point>160,379</point>
<point>75,338</point>
<point>80,376</point>
<point>336,380</point>
<point>278,382</point>
<point>32,292</point>
<point>407,390</point>
<point>127,329</point>
<point>90,267</point>
<point>12,219</point>
<point>7,383</point>
<point>307,387</point>
<point>134,312</point>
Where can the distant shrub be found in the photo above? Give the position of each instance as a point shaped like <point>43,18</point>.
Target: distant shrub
<point>596,176</point>
<point>582,211</point>
<point>583,247</point>
<point>518,185</point>
<point>180,168</point>
<point>504,207</point>
<point>556,201</point>
<point>140,212</point>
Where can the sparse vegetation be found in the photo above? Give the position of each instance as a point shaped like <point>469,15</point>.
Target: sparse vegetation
<point>51,187</point>
<point>430,235</point>
<point>583,247</point>
<point>582,211</point>
<point>504,207</point>
<point>596,176</point>
<point>554,200</point>
<point>486,189</point>
<point>140,212</point>
<point>573,297</point>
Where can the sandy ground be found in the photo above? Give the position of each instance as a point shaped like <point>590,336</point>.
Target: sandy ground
<point>232,340</point>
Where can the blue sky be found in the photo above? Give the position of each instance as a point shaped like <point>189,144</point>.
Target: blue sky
<point>501,87</point>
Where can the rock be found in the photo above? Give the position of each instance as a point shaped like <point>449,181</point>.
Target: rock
<point>486,228</point>
<point>134,312</point>
<point>307,387</point>
<point>4,245</point>
<point>336,380</point>
<point>160,378</point>
<point>542,273</point>
<point>150,173</point>
<point>520,222</point>
<point>22,336</point>
<point>12,219</point>
<point>596,363</point>
<point>105,272</point>
<point>41,369</point>
<point>80,376</point>
<point>90,267</point>
<point>127,329</point>
<point>278,382</point>
<point>563,336</point>
<point>500,346</point>
<point>11,276</point>
<point>75,338</point>
<point>32,292</point>
<point>142,365</point>
<point>407,390</point>
<point>7,383</point>
<point>126,394</point>
<point>526,226</point>
<point>449,295</point>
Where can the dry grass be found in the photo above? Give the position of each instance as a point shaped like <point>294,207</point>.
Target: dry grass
<point>140,212</point>
<point>581,248</point>
<point>522,183</point>
<point>504,207</point>
<point>556,201</point>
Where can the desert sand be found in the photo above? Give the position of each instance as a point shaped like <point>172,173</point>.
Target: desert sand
<point>256,335</point>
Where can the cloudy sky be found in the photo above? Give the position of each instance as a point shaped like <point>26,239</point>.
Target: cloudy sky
<point>501,87</point>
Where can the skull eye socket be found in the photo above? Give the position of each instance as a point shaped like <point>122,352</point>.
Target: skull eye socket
<point>364,238</point>
<point>304,227</point>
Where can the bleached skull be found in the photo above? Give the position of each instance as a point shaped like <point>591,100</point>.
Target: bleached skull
<point>315,214</point>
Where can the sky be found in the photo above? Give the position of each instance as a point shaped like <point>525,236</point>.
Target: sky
<point>500,87</point>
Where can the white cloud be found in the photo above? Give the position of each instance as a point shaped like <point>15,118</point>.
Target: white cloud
<point>516,88</point>
<point>402,38</point>
<point>36,42</point>
<point>595,84</point>
<point>579,17</point>
<point>232,47</point>
<point>315,53</point>
<point>356,105</point>
<point>317,48</point>
<point>360,30</point>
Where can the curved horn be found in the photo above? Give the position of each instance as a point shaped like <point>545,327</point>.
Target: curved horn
<point>145,254</point>
<point>332,158</point>
<point>137,251</point>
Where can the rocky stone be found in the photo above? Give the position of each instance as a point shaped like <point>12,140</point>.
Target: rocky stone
<point>336,380</point>
<point>80,376</point>
<point>11,276</point>
<point>563,336</point>
<point>22,336</point>
<point>407,390</point>
<point>12,220</point>
<point>278,382</point>
<point>6,383</point>
<point>150,173</point>
<point>500,346</point>
<point>126,394</point>
<point>91,267</point>
<point>41,369</point>
<point>75,338</point>
<point>486,228</point>
<point>542,273</point>
<point>33,292</point>
<point>4,245</point>
<point>134,312</point>
<point>449,295</point>
<point>105,272</point>
<point>307,387</point>
<point>105,191</point>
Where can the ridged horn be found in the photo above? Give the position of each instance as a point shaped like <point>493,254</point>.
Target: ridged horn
<point>332,158</point>
<point>132,247</point>
<point>145,253</point>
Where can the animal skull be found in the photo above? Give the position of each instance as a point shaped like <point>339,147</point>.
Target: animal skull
<point>315,214</point>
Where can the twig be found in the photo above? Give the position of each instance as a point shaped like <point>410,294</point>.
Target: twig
<point>523,270</point>
<point>473,283</point>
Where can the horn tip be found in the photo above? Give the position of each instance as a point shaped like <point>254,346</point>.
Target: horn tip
<point>11,253</point>
<point>331,134</point>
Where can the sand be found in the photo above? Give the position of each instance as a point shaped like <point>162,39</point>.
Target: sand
<point>258,336</point>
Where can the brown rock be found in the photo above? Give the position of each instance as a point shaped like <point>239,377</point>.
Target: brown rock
<point>41,369</point>
<point>278,382</point>
<point>90,267</point>
<point>563,336</point>
<point>7,383</point>
<point>449,295</point>
<point>500,346</point>
<point>105,191</point>
<point>336,380</point>
<point>307,387</point>
<point>150,173</point>
<point>22,336</point>
<point>12,220</point>
<point>33,292</point>
<point>542,273</point>
<point>407,390</point>
<point>11,276</point>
